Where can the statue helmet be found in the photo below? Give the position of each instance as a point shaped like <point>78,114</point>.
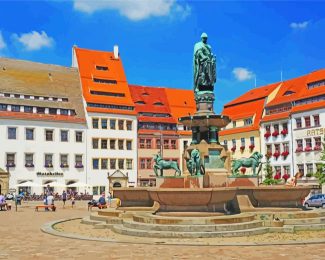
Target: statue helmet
<point>204,35</point>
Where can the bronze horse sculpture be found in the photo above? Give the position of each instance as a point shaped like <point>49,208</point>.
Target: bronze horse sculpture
<point>161,164</point>
<point>252,162</point>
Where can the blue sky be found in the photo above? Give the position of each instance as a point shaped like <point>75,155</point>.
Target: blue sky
<point>156,38</point>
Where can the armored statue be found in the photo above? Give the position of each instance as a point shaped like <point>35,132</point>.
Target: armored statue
<point>161,164</point>
<point>204,66</point>
<point>253,162</point>
<point>195,165</point>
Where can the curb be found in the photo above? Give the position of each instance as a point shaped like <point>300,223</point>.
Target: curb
<point>48,228</point>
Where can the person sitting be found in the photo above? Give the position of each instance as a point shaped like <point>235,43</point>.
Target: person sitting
<point>3,203</point>
<point>102,200</point>
<point>293,180</point>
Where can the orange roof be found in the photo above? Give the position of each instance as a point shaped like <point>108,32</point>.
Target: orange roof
<point>253,94</point>
<point>87,62</point>
<point>154,131</point>
<point>307,107</point>
<point>169,120</point>
<point>274,117</point>
<point>238,130</point>
<point>181,102</point>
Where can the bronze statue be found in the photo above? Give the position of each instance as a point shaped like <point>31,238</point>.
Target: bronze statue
<point>204,66</point>
<point>195,165</point>
<point>161,164</point>
<point>252,162</point>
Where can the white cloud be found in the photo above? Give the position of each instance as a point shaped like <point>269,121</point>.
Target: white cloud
<point>2,42</point>
<point>34,40</point>
<point>135,10</point>
<point>242,74</point>
<point>301,25</point>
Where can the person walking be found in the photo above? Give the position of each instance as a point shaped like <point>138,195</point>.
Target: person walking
<point>72,201</point>
<point>64,198</point>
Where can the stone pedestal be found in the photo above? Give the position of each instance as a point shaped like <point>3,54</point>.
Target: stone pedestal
<point>215,179</point>
<point>180,182</point>
<point>242,181</point>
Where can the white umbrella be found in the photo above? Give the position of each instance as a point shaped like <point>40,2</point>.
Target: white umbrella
<point>79,185</point>
<point>28,184</point>
<point>55,184</point>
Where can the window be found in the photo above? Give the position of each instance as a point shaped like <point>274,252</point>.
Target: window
<point>52,111</point>
<point>286,169</point>
<point>148,143</point>
<point>40,110</point>
<point>277,148</point>
<point>276,127</point>
<point>64,112</point>
<point>120,124</point>
<point>95,123</point>
<point>78,137</point>
<point>29,134</point>
<point>121,164</point>
<point>233,142</point>
<point>121,144</point>
<point>112,144</point>
<point>307,121</point>
<point>268,128</point>
<point>95,143</point>
<point>316,84</point>
<point>129,164</point>
<point>298,123</point>
<point>277,170</point>
<point>141,143</point>
<point>128,145</point>
<point>105,81</point>
<point>101,68</point>
<point>95,190</point>
<point>308,142</point>
<point>285,126</point>
<point>301,168</point>
<point>225,143</point>
<point>3,107</point>
<point>48,160</point>
<point>10,160</point>
<point>316,120</point>
<point>104,143</point>
<point>166,144</point>
<point>28,109</point>
<point>29,162</point>
<point>12,133</point>
<point>173,144</point>
<point>185,144</point>
<point>49,135</point>
<point>242,141</point>
<point>233,124</point>
<point>104,164</point>
<point>142,163</point>
<point>104,123</point>
<point>148,164</point>
<point>112,124</point>
<point>252,140</point>
<point>64,161</point>
<point>64,135</point>
<point>78,161</point>
<point>286,147</point>
<point>95,164</point>
<point>112,163</point>
<point>15,108</point>
<point>310,168</point>
<point>299,143</point>
<point>318,141</point>
<point>101,189</point>
<point>248,121</point>
<point>129,125</point>
<point>269,149</point>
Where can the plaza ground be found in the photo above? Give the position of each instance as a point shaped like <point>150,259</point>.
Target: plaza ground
<point>21,238</point>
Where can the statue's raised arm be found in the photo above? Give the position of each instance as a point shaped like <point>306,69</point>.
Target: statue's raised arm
<point>204,66</point>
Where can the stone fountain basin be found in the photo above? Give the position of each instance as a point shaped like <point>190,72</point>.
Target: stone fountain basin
<point>189,200</point>
<point>133,197</point>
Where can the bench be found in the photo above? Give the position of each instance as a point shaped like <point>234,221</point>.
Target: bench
<point>45,207</point>
<point>99,206</point>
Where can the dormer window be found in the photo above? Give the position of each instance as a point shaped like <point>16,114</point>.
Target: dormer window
<point>101,68</point>
<point>145,94</point>
<point>158,104</point>
<point>288,93</point>
<point>140,102</point>
<point>248,121</point>
<point>316,84</point>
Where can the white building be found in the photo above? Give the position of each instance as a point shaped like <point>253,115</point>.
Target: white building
<point>42,125</point>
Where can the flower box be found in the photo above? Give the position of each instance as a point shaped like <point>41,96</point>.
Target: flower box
<point>10,165</point>
<point>79,166</point>
<point>251,146</point>
<point>242,148</point>
<point>277,176</point>
<point>285,176</point>
<point>233,148</point>
<point>275,133</point>
<point>64,165</point>
<point>284,132</point>
<point>285,153</point>
<point>243,170</point>
<point>317,148</point>
<point>267,134</point>
<point>299,149</point>
<point>48,165</point>
<point>29,165</point>
<point>308,149</point>
<point>268,155</point>
<point>276,155</point>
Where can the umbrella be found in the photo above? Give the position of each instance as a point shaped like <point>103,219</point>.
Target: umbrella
<point>28,184</point>
<point>79,185</point>
<point>55,184</point>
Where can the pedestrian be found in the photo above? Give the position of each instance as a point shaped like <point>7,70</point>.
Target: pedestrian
<point>64,198</point>
<point>72,201</point>
<point>109,198</point>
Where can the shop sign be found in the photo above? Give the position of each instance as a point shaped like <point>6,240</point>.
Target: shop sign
<point>49,174</point>
<point>317,131</point>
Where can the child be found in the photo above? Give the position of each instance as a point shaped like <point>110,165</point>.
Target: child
<point>72,201</point>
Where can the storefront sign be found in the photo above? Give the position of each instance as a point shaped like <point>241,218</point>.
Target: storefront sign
<point>49,174</point>
<point>318,131</point>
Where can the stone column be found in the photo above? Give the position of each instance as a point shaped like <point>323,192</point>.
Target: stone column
<point>213,136</point>
<point>195,135</point>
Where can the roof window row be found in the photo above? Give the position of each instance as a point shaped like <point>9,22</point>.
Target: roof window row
<point>316,84</point>
<point>105,81</point>
<point>41,98</point>
<point>108,94</point>
<point>309,100</point>
<point>154,114</point>
<point>110,106</point>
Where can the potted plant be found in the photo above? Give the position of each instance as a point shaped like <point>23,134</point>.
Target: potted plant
<point>284,132</point>
<point>275,133</point>
<point>243,170</point>
<point>251,147</point>
<point>277,176</point>
<point>276,155</point>
<point>267,134</point>
<point>285,154</point>
<point>233,149</point>
<point>308,149</point>
<point>299,149</point>
<point>285,176</point>
<point>242,148</point>
<point>317,148</point>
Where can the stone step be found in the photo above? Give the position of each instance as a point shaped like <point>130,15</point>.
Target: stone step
<point>103,226</point>
<point>304,221</point>
<point>110,212</point>
<point>316,213</point>
<point>88,221</point>
<point>193,228</point>
<point>307,227</point>
<point>170,234</point>
<point>95,216</point>
<point>212,220</point>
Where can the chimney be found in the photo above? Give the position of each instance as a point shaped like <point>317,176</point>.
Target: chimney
<point>116,52</point>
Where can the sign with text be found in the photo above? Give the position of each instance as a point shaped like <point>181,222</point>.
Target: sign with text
<point>317,131</point>
<point>49,174</point>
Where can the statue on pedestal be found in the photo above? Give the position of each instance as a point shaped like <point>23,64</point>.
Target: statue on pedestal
<point>195,164</point>
<point>253,162</point>
<point>161,164</point>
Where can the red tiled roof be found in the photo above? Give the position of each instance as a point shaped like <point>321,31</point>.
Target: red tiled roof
<point>157,119</point>
<point>275,117</point>
<point>307,107</point>
<point>238,130</point>
<point>154,131</point>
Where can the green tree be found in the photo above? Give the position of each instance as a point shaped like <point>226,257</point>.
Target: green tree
<point>268,170</point>
<point>320,173</point>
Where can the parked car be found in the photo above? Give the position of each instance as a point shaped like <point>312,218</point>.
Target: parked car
<point>9,196</point>
<point>317,200</point>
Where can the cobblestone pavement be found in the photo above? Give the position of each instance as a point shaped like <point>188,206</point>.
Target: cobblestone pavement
<point>21,238</point>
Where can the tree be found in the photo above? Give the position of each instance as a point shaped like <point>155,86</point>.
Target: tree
<point>320,173</point>
<point>268,168</point>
